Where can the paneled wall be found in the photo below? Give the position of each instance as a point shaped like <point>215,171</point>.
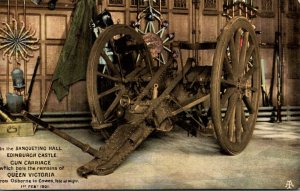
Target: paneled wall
<point>52,29</point>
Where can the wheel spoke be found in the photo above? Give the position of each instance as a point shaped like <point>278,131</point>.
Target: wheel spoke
<point>249,73</point>
<point>118,57</point>
<point>109,77</point>
<point>228,83</point>
<point>253,89</point>
<point>244,120</point>
<point>238,121</point>
<point>230,110</point>
<point>107,92</point>
<point>248,104</point>
<point>229,92</point>
<point>249,53</point>
<point>113,105</point>
<point>228,67</point>
<point>244,52</point>
<point>237,44</point>
<point>110,65</point>
<point>133,74</point>
<point>233,54</point>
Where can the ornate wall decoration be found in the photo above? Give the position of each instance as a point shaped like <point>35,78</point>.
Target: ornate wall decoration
<point>17,42</point>
<point>143,3</point>
<point>180,4</point>
<point>267,5</point>
<point>210,7</point>
<point>135,2</point>
<point>267,9</point>
<point>210,4</point>
<point>115,2</point>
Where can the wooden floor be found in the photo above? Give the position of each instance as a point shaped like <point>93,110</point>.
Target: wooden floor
<point>173,160</point>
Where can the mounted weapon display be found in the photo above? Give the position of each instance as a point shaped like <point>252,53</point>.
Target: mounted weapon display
<point>277,68</point>
<point>18,43</point>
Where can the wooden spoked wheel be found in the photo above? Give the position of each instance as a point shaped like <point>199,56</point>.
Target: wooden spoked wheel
<point>235,85</point>
<point>116,56</point>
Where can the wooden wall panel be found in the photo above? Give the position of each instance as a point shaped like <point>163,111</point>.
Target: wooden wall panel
<point>209,28</point>
<point>290,25</point>
<point>291,68</point>
<point>293,61</point>
<point>293,92</point>
<point>268,26</point>
<point>209,33</point>
<point>32,62</point>
<point>3,88</point>
<point>132,16</point>
<point>51,57</point>
<point>56,26</point>
<point>118,17</point>
<point>3,65</point>
<point>3,62</point>
<point>178,23</point>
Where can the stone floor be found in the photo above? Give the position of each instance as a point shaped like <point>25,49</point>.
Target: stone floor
<point>172,160</point>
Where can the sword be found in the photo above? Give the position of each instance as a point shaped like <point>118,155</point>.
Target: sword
<point>38,61</point>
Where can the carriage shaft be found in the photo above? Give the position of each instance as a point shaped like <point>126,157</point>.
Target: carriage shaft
<point>190,105</point>
<point>84,147</point>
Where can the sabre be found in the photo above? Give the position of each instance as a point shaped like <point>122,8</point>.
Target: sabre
<point>38,61</point>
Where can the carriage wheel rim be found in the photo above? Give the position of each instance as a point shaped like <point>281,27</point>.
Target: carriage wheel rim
<point>235,129</point>
<point>93,73</point>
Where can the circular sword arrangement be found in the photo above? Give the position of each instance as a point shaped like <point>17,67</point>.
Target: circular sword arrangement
<point>153,32</point>
<point>17,41</point>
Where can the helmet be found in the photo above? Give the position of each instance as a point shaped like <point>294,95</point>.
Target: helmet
<point>104,19</point>
<point>18,78</point>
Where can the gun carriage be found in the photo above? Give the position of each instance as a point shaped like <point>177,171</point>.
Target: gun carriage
<point>136,86</point>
